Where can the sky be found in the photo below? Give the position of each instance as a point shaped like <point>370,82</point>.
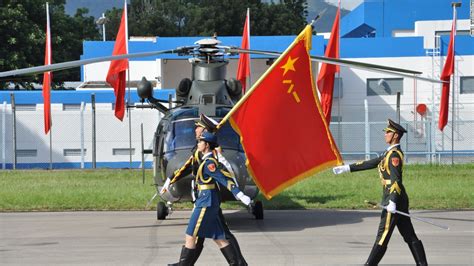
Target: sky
<point>346,4</point>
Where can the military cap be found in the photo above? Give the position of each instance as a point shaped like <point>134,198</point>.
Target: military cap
<point>207,123</point>
<point>394,127</point>
<point>208,137</point>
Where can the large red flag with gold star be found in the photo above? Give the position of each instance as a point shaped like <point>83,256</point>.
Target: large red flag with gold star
<point>281,124</point>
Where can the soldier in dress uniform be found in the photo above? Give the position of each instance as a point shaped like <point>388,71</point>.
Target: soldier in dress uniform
<point>206,124</point>
<point>390,166</point>
<point>205,221</point>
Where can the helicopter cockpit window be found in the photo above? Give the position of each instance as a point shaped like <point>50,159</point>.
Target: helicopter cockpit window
<point>180,135</point>
<point>228,139</point>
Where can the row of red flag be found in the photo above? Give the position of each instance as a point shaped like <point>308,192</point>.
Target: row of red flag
<point>115,76</point>
<point>325,82</point>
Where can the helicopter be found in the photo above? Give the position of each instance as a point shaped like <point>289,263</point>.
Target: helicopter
<point>206,92</point>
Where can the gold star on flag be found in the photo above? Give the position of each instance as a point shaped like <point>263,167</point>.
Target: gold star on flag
<point>290,65</point>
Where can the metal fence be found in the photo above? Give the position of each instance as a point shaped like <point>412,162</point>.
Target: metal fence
<point>80,137</point>
<point>360,141</point>
<point>362,138</point>
<point>76,142</point>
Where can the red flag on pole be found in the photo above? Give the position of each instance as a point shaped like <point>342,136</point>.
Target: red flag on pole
<point>448,70</point>
<point>243,69</point>
<point>47,77</point>
<point>325,80</point>
<point>117,69</point>
<point>281,124</point>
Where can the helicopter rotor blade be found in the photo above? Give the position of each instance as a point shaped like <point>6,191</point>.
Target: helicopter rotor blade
<point>77,63</point>
<point>349,63</point>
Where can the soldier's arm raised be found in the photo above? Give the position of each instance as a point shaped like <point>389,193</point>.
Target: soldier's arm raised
<point>359,166</point>
<point>185,170</point>
<point>365,165</point>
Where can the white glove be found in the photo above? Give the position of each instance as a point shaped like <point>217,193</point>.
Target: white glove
<point>341,169</point>
<point>244,198</point>
<point>166,186</point>
<point>391,207</point>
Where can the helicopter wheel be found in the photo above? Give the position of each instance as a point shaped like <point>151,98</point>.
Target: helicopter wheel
<point>161,211</point>
<point>258,210</point>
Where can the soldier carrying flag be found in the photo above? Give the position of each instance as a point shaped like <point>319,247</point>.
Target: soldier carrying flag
<point>205,221</point>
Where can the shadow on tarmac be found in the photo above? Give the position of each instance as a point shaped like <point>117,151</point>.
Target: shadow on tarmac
<point>290,220</point>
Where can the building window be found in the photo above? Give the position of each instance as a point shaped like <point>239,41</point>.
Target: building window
<point>440,33</point>
<point>73,152</point>
<point>122,151</point>
<point>25,107</point>
<point>385,86</point>
<point>26,153</point>
<point>338,85</point>
<point>467,85</point>
<point>71,107</point>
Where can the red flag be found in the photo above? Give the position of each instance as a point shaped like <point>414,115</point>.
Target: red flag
<point>243,69</point>
<point>326,74</point>
<point>281,125</point>
<point>47,77</point>
<point>117,69</point>
<point>448,70</point>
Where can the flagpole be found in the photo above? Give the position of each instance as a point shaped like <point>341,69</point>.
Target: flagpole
<point>48,74</point>
<point>129,113</point>
<point>339,83</point>
<point>250,55</point>
<point>454,5</point>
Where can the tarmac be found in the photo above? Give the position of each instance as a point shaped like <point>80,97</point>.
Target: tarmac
<point>284,237</point>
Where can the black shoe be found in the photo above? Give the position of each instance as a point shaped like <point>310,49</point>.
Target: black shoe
<point>376,255</point>
<point>186,258</point>
<point>418,252</point>
<point>230,255</point>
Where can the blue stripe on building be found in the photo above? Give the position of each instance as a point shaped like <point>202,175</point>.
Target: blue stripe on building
<point>76,97</point>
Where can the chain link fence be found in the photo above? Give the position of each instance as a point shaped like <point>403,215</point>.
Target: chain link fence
<point>75,142</point>
<point>362,138</point>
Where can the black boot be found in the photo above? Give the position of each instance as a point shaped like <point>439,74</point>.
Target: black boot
<point>230,254</point>
<point>233,241</point>
<point>186,258</point>
<point>418,252</point>
<point>199,248</point>
<point>376,255</point>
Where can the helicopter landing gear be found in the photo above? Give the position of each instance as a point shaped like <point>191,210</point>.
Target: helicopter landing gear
<point>257,209</point>
<point>162,210</point>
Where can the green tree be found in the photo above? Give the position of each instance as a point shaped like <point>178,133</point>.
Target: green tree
<point>22,27</point>
<point>205,17</point>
